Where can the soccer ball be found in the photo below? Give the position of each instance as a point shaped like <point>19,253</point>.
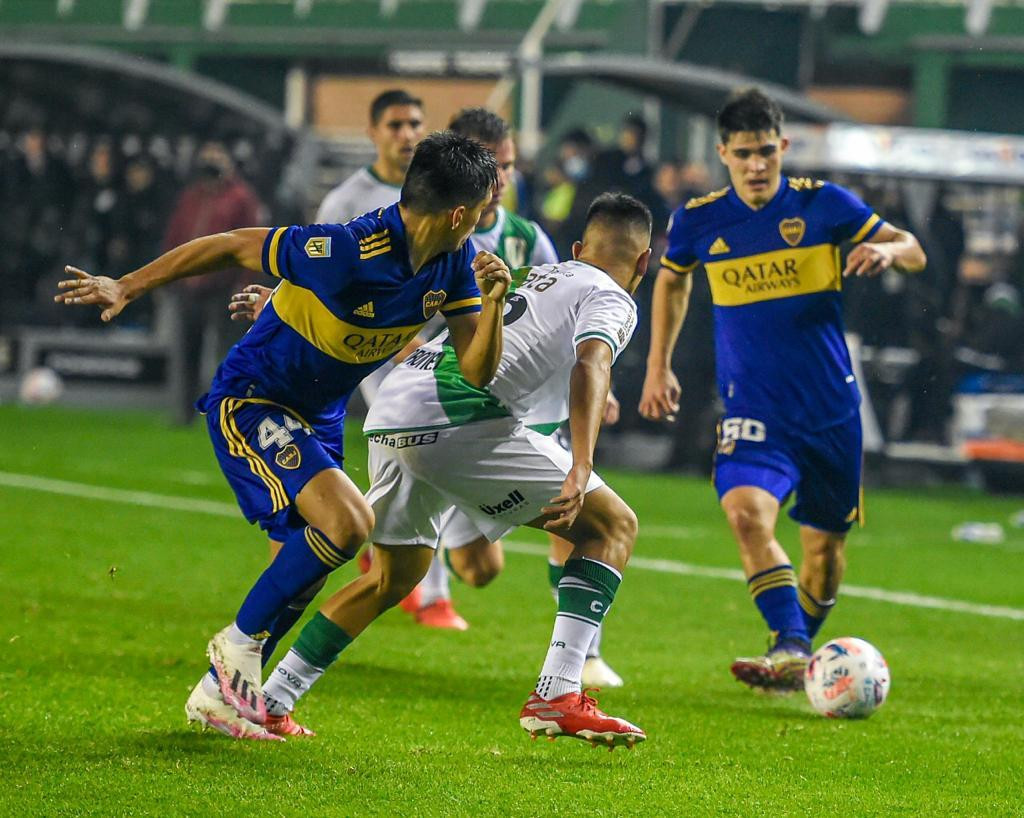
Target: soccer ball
<point>847,678</point>
<point>40,386</point>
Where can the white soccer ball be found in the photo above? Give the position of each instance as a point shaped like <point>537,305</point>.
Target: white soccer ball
<point>40,386</point>
<point>847,678</point>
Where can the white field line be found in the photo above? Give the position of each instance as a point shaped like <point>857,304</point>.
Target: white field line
<point>219,509</point>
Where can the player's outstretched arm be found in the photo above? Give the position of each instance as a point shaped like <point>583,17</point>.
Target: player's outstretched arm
<point>237,248</point>
<point>671,299</point>
<point>889,247</point>
<point>478,339</point>
<point>589,384</point>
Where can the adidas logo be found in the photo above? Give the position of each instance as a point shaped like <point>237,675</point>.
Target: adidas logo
<point>365,311</point>
<point>513,500</point>
<point>718,247</point>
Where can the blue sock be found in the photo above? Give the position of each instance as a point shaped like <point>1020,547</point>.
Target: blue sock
<point>774,593</point>
<point>814,611</point>
<point>289,616</point>
<point>306,557</point>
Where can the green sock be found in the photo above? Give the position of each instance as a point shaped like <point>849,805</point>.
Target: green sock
<point>321,641</point>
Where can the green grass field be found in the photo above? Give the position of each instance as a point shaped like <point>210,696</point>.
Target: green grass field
<point>106,603</point>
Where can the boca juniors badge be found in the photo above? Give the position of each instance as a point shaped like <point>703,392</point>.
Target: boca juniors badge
<point>792,230</point>
<point>289,457</point>
<point>432,302</point>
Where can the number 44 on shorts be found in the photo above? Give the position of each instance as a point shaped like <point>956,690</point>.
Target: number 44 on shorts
<point>273,433</point>
<point>733,429</point>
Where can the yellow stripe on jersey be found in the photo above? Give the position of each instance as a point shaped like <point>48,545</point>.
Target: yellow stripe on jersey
<point>275,242</point>
<point>678,268</point>
<point>860,234</point>
<point>239,447</point>
<point>458,305</point>
<point>376,252</point>
<point>374,236</point>
<point>365,246</point>
<point>778,274</point>
<point>301,310</point>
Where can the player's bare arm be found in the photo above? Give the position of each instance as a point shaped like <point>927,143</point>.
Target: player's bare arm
<point>589,385</point>
<point>237,248</point>
<point>889,247</point>
<point>671,299</point>
<point>477,338</point>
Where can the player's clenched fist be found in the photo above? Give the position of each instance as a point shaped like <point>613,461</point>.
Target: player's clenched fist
<point>109,295</point>
<point>492,275</point>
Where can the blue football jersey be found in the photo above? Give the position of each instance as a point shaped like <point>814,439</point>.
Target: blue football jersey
<point>775,281</point>
<point>348,300</point>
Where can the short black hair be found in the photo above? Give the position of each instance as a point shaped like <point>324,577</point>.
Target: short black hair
<point>749,110</point>
<point>446,171</point>
<point>577,136</point>
<point>480,124</point>
<point>619,209</point>
<point>395,96</point>
<point>635,122</point>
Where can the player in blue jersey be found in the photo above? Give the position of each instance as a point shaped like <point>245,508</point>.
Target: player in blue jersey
<point>349,298</point>
<point>770,247</point>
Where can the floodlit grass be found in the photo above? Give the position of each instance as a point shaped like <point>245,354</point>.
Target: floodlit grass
<point>105,608</point>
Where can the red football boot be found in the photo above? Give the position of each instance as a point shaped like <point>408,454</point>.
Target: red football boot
<point>576,715</point>
<point>441,614</point>
<point>286,726</point>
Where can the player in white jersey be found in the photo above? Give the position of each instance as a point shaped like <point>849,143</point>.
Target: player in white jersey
<point>469,553</point>
<point>437,441</point>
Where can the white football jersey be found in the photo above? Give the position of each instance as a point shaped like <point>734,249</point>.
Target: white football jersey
<point>358,194</point>
<point>549,310</point>
<point>501,237</point>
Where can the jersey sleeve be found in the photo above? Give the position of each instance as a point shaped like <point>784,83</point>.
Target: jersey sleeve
<point>849,217</point>
<point>543,249</point>
<point>464,296</point>
<point>679,256</point>
<point>608,316</point>
<point>309,256</point>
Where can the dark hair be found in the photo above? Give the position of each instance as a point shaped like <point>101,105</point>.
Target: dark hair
<point>577,136</point>
<point>446,171</point>
<point>635,122</point>
<point>480,124</point>
<point>395,96</point>
<point>749,110</point>
<point>620,210</point>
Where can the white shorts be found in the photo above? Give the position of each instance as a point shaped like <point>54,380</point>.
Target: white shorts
<point>497,472</point>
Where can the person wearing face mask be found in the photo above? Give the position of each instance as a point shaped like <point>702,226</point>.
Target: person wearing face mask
<point>217,201</point>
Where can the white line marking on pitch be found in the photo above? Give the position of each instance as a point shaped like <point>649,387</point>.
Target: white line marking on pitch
<point>219,509</point>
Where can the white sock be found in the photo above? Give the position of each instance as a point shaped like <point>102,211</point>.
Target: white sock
<point>290,680</point>
<point>236,636</point>
<point>210,686</point>
<point>563,666</point>
<point>595,643</point>
<point>434,586</point>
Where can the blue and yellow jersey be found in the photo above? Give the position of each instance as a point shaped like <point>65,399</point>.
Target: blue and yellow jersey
<point>775,279</point>
<point>347,301</point>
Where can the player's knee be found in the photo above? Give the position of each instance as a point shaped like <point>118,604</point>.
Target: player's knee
<point>748,524</point>
<point>349,525</point>
<point>478,563</point>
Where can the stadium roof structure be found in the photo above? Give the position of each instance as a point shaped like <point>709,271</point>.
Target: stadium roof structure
<point>686,85</point>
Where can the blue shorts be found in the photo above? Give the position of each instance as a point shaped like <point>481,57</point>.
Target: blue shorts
<point>823,468</point>
<point>268,453</point>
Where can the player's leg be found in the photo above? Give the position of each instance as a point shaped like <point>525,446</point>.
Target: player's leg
<point>754,473</point>
<point>407,516</point>
<point>828,503</point>
<point>289,481</point>
<point>602,539</point>
<point>596,671</point>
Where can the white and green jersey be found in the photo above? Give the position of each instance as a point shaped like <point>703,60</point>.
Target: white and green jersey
<point>360,193</point>
<point>549,310</point>
<point>516,241</point>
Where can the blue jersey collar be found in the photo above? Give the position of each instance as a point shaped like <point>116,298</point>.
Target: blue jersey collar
<point>734,197</point>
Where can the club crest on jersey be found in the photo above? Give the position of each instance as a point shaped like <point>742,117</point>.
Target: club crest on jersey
<point>792,230</point>
<point>432,302</point>
<point>289,457</point>
<point>515,251</point>
<point>318,247</point>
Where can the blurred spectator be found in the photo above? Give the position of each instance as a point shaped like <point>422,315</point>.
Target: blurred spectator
<point>217,201</point>
<point>571,187</point>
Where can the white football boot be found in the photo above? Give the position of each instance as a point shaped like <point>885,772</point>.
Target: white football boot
<point>211,711</point>
<point>597,673</point>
